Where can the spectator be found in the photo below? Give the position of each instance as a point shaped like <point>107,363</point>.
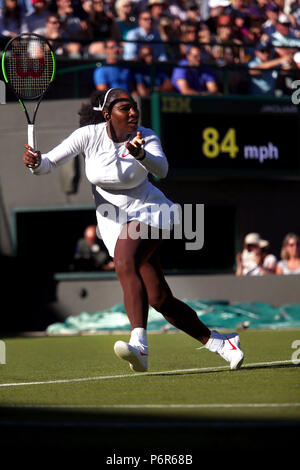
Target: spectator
<point>71,23</point>
<point>272,13</point>
<point>284,36</point>
<point>205,38</point>
<point>109,8</point>
<point>25,5</point>
<point>290,255</point>
<point>38,17</point>
<point>295,13</point>
<point>158,9</point>
<point>146,33</point>
<point>235,81</point>
<point>217,8</point>
<point>193,11</point>
<point>240,27</point>
<point>256,15</point>
<point>190,80</point>
<point>100,27</point>
<point>238,7</point>
<point>81,8</point>
<point>11,19</point>
<point>90,253</point>
<point>269,261</point>
<point>225,35</point>
<point>251,262</point>
<point>112,75</point>
<point>288,72</point>
<point>260,6</point>
<point>125,20</point>
<point>169,33</point>
<point>177,9</point>
<point>264,70</point>
<point>255,20</point>
<point>189,36</point>
<point>53,32</point>
<point>145,81</point>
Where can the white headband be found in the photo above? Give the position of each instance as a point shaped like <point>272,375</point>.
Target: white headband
<point>100,108</point>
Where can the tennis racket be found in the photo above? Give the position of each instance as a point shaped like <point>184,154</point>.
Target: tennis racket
<point>28,66</point>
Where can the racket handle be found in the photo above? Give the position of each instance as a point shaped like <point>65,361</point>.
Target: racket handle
<point>31,136</point>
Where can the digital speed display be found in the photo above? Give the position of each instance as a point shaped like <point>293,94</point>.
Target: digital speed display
<point>220,133</point>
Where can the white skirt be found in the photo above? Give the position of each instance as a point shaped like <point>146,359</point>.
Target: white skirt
<point>145,203</point>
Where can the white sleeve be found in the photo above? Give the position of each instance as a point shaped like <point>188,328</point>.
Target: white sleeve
<point>155,161</point>
<point>69,148</point>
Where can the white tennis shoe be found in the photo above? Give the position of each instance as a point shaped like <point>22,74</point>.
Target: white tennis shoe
<point>231,352</point>
<point>228,347</point>
<point>137,356</point>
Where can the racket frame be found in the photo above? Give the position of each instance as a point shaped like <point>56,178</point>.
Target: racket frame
<point>31,122</point>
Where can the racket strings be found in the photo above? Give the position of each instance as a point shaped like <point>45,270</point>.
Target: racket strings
<point>29,67</point>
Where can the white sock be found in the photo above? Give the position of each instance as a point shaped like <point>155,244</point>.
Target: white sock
<point>138,336</point>
<point>215,341</point>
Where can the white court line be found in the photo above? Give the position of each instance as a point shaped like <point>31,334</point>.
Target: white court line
<point>159,406</point>
<point>143,374</point>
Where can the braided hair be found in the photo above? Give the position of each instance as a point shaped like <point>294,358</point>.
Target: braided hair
<point>87,115</point>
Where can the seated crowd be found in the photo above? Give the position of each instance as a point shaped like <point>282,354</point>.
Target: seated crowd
<point>194,41</point>
<point>255,259</point>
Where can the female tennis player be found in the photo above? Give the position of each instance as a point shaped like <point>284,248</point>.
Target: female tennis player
<point>119,154</point>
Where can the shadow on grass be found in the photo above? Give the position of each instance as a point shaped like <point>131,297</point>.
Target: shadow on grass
<point>80,433</point>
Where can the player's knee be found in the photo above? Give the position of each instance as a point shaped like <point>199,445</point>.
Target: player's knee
<point>158,300</point>
<point>125,266</point>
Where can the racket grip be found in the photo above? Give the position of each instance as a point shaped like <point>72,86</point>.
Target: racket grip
<point>31,136</point>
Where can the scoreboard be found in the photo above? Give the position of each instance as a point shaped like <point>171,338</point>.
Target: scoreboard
<point>228,135</point>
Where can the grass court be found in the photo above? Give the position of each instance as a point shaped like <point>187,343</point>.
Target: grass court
<point>73,393</point>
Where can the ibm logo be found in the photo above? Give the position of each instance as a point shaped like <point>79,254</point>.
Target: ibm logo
<point>2,353</point>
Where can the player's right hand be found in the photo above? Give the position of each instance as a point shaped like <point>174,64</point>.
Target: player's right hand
<point>31,158</point>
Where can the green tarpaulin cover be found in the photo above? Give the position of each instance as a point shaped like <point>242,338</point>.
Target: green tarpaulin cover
<point>214,313</point>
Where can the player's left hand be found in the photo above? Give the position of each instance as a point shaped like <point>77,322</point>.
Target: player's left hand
<point>135,146</point>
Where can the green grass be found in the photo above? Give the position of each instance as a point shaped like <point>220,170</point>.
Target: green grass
<point>66,358</point>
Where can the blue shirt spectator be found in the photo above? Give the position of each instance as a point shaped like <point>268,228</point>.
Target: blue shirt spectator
<point>284,34</point>
<point>111,74</point>
<point>263,83</point>
<point>264,70</point>
<point>144,33</point>
<point>189,80</point>
<point>148,79</point>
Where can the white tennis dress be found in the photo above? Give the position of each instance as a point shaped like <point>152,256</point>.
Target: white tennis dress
<point>121,188</point>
